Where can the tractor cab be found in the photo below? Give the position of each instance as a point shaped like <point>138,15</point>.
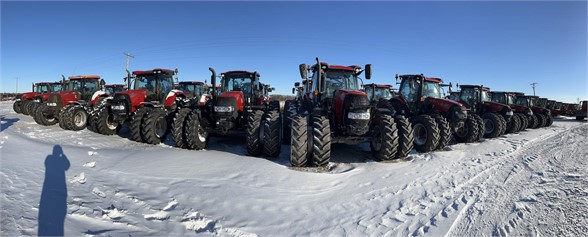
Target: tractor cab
<point>85,86</point>
<point>114,88</point>
<point>377,92</point>
<point>473,96</point>
<point>157,83</point>
<point>331,81</point>
<point>241,85</point>
<point>193,89</point>
<point>415,89</point>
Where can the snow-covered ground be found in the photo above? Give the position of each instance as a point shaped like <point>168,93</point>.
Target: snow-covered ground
<point>532,183</point>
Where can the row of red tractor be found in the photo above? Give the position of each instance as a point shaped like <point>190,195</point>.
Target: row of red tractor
<point>331,105</point>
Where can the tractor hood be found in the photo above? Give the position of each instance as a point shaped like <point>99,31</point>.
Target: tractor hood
<point>234,98</point>
<point>494,106</point>
<point>521,109</point>
<point>29,95</point>
<point>136,97</point>
<point>442,105</point>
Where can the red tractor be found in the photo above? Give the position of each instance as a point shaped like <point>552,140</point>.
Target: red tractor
<point>496,116</point>
<point>239,108</point>
<point>291,109</point>
<point>70,108</point>
<point>40,93</point>
<point>433,118</point>
<point>378,93</point>
<point>541,116</point>
<point>147,108</point>
<point>335,110</point>
<point>522,113</point>
<point>582,111</point>
<point>196,91</point>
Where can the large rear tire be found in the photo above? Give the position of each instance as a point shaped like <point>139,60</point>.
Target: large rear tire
<point>384,144</point>
<point>533,121</point>
<point>154,127</point>
<point>253,128</point>
<point>196,134</point>
<point>104,123</point>
<point>288,114</point>
<point>426,133</point>
<point>469,132</point>
<point>63,115</point>
<point>299,138</point>
<point>136,134</point>
<point>405,136</point>
<point>444,131</point>
<point>493,125</point>
<point>514,124</point>
<point>26,107</point>
<point>271,137</point>
<point>177,127</point>
<point>524,121</point>
<point>77,119</point>
<point>541,120</point>
<point>321,141</point>
<point>17,107</point>
<point>42,119</point>
<point>549,120</point>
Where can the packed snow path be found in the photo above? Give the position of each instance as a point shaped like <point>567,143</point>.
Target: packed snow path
<point>532,183</point>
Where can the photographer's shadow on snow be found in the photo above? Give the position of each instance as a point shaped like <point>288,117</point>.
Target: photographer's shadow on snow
<point>53,203</point>
<point>5,123</point>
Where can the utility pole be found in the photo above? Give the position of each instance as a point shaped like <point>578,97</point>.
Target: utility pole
<point>129,56</point>
<point>533,85</point>
<point>17,84</point>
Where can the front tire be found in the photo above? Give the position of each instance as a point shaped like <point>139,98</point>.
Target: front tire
<point>549,120</point>
<point>426,133</point>
<point>254,145</point>
<point>533,121</point>
<point>493,126</point>
<point>154,127</point>
<point>321,141</point>
<point>195,132</point>
<point>17,107</point>
<point>524,122</point>
<point>469,132</point>
<point>42,119</point>
<point>541,120</point>
<point>271,134</point>
<point>26,107</point>
<point>77,119</point>
<point>514,124</point>
<point>405,137</point>
<point>136,134</point>
<point>177,127</point>
<point>444,131</point>
<point>384,144</point>
<point>299,138</point>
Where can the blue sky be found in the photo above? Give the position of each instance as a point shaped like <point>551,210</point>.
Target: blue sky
<point>502,45</point>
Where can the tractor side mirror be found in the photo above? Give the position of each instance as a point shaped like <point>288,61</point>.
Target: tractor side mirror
<point>303,72</point>
<point>296,84</point>
<point>102,83</point>
<point>368,71</point>
<point>293,90</point>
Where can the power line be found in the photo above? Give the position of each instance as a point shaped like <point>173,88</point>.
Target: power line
<point>129,56</point>
<point>17,84</point>
<point>533,85</point>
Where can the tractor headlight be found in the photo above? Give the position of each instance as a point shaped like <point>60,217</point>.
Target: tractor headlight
<point>51,104</point>
<point>548,112</point>
<point>360,116</point>
<point>223,109</point>
<point>37,100</point>
<point>509,113</point>
<point>18,100</point>
<point>117,107</point>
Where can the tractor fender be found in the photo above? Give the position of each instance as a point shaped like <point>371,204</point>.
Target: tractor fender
<point>29,95</point>
<point>170,99</point>
<point>96,95</point>
<point>400,106</point>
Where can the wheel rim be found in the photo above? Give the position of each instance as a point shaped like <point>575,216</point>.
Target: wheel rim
<point>111,124</point>
<point>420,134</point>
<point>160,127</point>
<point>488,125</point>
<point>80,119</point>
<point>201,134</point>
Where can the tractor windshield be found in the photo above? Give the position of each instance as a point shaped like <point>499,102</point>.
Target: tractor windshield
<point>43,88</point>
<point>154,83</point>
<point>57,87</point>
<point>84,86</point>
<point>240,82</point>
<point>550,104</point>
<point>432,89</point>
<point>524,101</point>
<point>191,90</point>
<point>485,96</point>
<point>500,98</point>
<point>339,79</point>
<point>469,95</point>
<point>541,102</point>
<point>378,93</point>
